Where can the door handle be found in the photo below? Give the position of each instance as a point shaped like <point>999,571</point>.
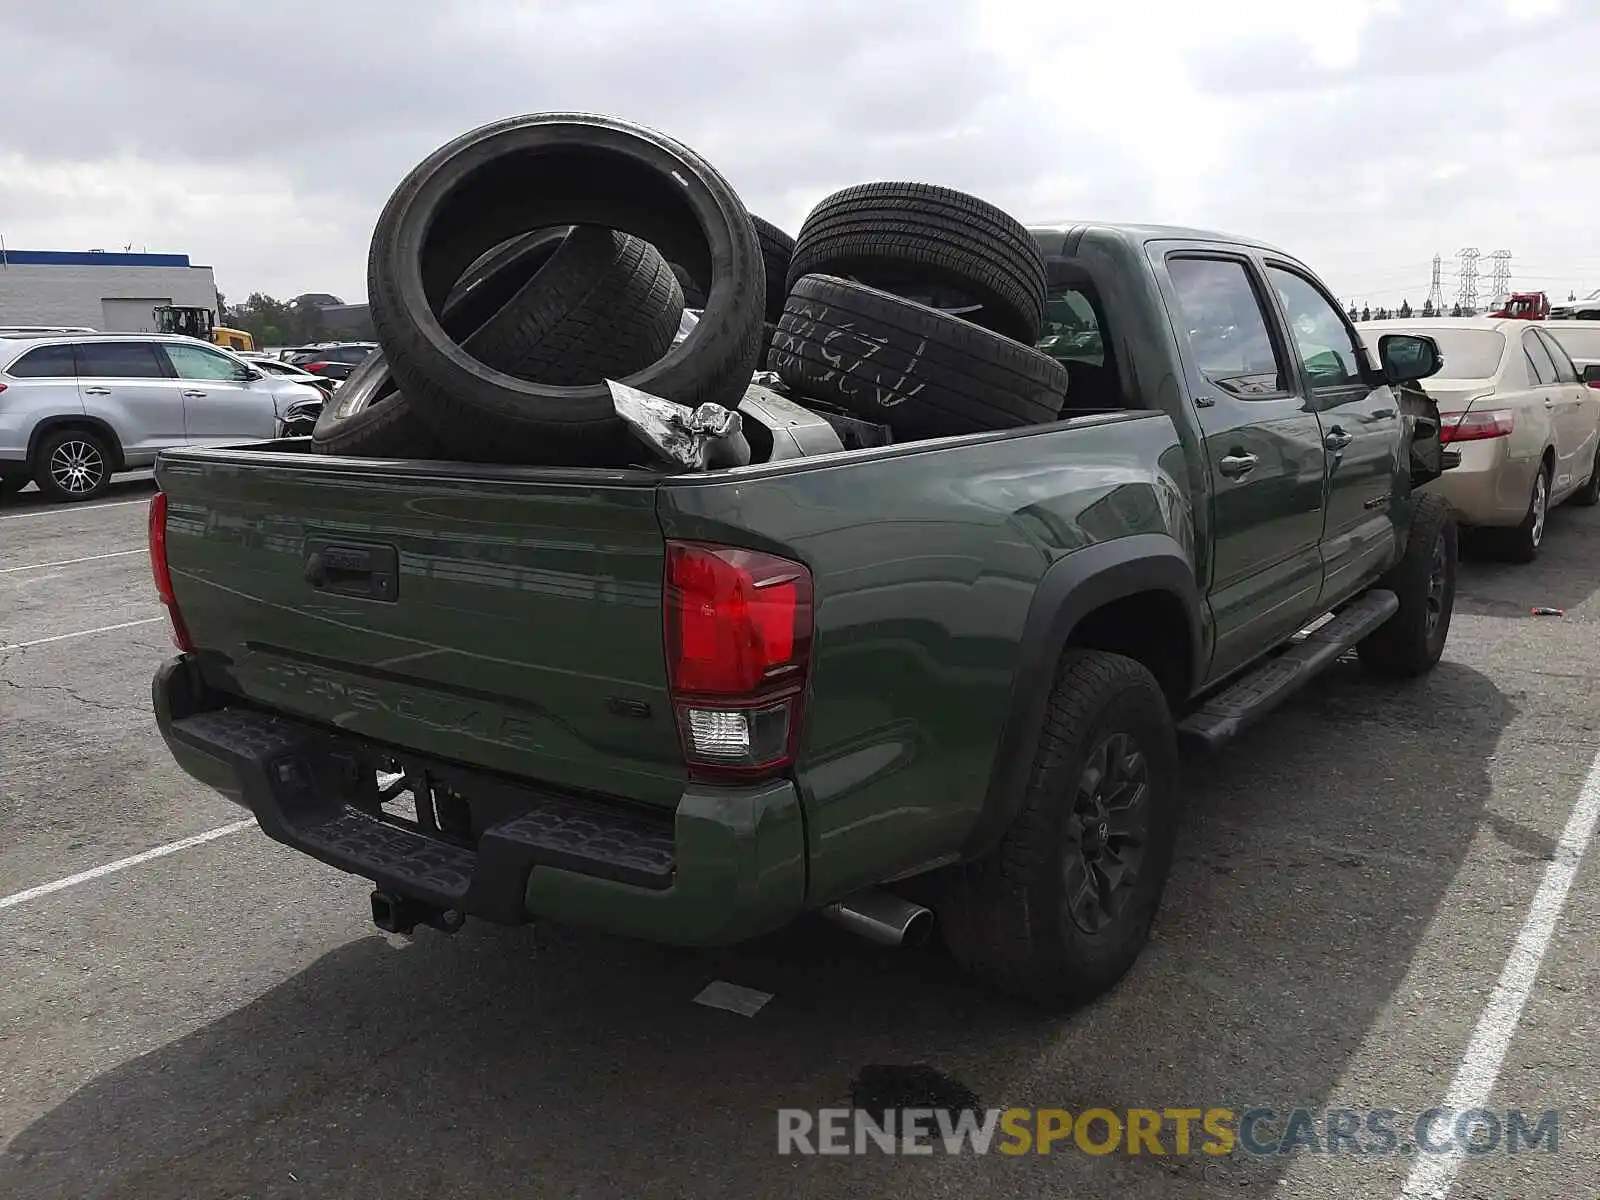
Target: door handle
<point>1337,439</point>
<point>1237,464</point>
<point>194,395</point>
<point>97,391</point>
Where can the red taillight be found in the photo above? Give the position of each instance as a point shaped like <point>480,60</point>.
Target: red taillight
<point>163,573</point>
<point>738,636</point>
<point>1476,426</point>
<point>317,366</point>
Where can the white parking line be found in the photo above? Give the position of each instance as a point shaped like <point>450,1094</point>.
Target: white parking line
<point>1480,1067</point>
<point>122,864</point>
<point>74,508</point>
<point>61,637</point>
<point>67,562</point>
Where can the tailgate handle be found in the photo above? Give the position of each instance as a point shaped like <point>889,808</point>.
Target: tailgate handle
<point>367,572</point>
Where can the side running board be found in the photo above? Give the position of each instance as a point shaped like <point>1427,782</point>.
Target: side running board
<point>1223,716</point>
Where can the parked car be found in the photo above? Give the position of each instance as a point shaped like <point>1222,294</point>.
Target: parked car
<point>1585,308</point>
<point>688,707</point>
<point>300,417</point>
<point>271,365</point>
<point>333,361</point>
<point>75,409</point>
<point>1525,426</point>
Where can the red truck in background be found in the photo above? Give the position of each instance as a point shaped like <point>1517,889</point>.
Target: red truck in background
<point>1524,306</point>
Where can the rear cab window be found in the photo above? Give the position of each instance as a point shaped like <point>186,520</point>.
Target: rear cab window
<point>1072,330</point>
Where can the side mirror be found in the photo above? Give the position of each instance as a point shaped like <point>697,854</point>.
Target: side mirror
<point>1407,357</point>
<point>1591,375</point>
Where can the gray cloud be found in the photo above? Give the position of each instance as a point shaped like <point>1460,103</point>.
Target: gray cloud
<point>265,139</point>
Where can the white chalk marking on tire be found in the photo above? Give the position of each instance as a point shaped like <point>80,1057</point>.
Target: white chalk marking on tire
<point>122,864</point>
<point>730,997</point>
<point>74,508</point>
<point>62,637</point>
<point>1475,1078</point>
<point>67,562</point>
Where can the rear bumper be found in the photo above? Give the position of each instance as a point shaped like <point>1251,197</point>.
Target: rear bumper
<point>727,865</point>
<point>1489,486</point>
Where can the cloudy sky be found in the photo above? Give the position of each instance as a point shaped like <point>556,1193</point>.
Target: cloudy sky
<point>1364,135</point>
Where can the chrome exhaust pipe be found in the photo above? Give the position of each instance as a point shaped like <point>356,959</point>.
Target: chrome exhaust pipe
<point>883,917</point>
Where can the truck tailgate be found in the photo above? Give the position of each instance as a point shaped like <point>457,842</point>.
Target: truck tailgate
<point>390,600</point>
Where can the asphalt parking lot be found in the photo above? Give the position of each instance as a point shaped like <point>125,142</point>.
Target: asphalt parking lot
<point>1362,904</point>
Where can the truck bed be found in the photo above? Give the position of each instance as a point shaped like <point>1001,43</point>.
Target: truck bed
<point>511,620</point>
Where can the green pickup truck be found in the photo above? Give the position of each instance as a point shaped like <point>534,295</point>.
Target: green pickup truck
<point>934,683</point>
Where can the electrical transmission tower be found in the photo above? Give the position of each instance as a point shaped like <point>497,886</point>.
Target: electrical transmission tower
<point>1467,279</point>
<point>1500,276</point>
<point>1435,288</point>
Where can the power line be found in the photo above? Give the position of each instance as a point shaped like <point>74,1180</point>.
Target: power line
<point>1500,280</point>
<point>1467,278</point>
<point>1435,302</point>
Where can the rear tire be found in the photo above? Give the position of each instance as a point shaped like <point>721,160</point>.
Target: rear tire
<point>932,244</point>
<point>1521,545</point>
<point>1061,908</point>
<point>1410,642</point>
<point>73,465</point>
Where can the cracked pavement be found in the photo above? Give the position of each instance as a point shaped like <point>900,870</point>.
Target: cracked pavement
<point>225,1022</point>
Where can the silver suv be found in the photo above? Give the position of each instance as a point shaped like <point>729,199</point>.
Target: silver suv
<point>74,408</point>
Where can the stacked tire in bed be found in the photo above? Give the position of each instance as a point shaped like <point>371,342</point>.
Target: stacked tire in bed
<point>519,268</point>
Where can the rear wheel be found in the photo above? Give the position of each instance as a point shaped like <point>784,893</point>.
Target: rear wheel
<point>73,464</point>
<point>1060,909</point>
<point>1522,543</point>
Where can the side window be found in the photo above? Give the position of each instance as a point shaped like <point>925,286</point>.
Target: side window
<point>1226,328</point>
<point>47,362</point>
<point>1320,334</point>
<point>193,362</point>
<point>1072,328</point>
<point>1539,361</point>
<point>1565,371</point>
<point>119,360</point>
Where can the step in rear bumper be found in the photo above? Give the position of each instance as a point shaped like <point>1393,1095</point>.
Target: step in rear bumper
<point>726,865</point>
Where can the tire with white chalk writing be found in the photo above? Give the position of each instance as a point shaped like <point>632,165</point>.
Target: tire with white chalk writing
<point>922,372</point>
<point>932,244</point>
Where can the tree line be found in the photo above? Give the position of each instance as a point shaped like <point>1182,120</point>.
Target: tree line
<point>274,322</point>
<point>1367,313</point>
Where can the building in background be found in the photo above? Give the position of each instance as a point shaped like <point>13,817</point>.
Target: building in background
<point>335,318</point>
<point>115,293</point>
